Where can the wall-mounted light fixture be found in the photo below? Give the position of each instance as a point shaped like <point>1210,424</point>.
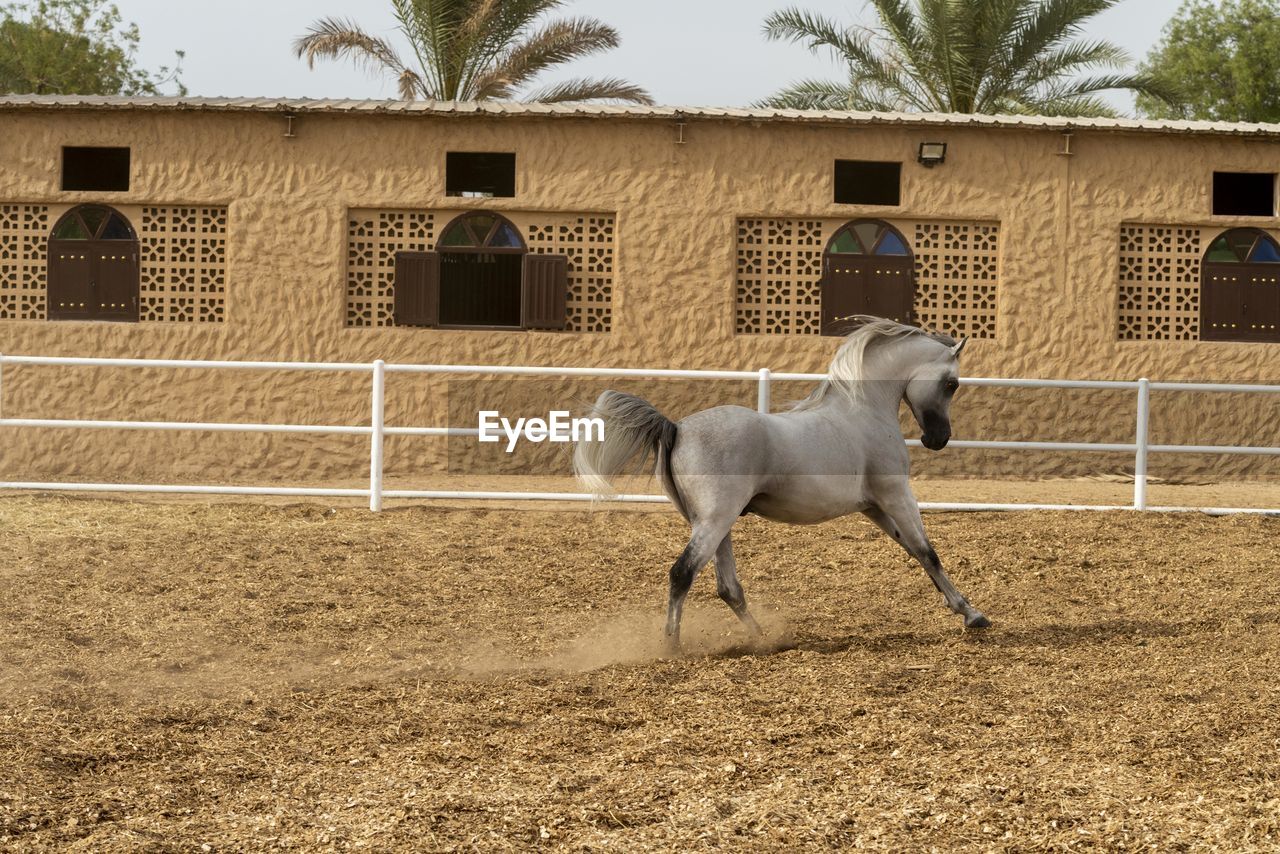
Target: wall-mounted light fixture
<point>289,119</point>
<point>932,153</point>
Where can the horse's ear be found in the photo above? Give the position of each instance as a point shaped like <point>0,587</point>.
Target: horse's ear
<point>955,351</point>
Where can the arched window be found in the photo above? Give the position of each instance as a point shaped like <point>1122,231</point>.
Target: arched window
<point>1240,287</point>
<point>93,266</point>
<point>481,275</point>
<point>866,269</point>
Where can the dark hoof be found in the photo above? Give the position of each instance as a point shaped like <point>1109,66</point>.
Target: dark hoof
<point>976,621</point>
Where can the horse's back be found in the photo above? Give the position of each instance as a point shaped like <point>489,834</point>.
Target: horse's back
<point>722,440</point>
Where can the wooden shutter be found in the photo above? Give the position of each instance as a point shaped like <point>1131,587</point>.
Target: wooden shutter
<point>116,278</point>
<point>843,293</point>
<point>70,293</point>
<point>1220,302</point>
<point>891,289</point>
<point>545,291</point>
<point>417,289</point>
<point>1260,286</point>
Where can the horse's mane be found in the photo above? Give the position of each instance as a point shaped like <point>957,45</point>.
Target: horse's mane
<point>846,371</point>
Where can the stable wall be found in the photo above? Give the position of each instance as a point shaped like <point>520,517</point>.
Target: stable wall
<point>676,208</point>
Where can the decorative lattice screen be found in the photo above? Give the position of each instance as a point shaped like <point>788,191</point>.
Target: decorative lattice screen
<point>1160,282</point>
<point>373,239</point>
<point>588,242</point>
<point>956,277</point>
<point>375,236</point>
<point>780,266</point>
<point>183,264</point>
<point>23,265</point>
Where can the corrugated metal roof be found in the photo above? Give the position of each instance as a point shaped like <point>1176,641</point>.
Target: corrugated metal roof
<point>503,108</point>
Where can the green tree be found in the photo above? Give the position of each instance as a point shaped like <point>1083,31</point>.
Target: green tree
<point>962,56</point>
<point>75,47</point>
<point>1224,62</point>
<point>475,50</point>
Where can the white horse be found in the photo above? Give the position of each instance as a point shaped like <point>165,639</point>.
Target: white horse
<point>839,451</point>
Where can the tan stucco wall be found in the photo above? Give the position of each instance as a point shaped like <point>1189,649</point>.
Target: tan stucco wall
<point>674,279</point>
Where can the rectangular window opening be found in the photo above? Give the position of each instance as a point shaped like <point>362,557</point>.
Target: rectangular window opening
<point>480,174</point>
<point>98,169</point>
<point>1244,193</point>
<point>868,182</point>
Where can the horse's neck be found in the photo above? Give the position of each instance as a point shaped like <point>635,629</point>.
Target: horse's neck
<point>885,377</point>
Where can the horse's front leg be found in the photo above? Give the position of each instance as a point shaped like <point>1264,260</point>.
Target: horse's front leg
<point>899,517</point>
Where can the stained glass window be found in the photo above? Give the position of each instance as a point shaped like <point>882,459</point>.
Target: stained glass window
<point>853,239</point>
<point>1265,252</point>
<point>1244,245</point>
<point>891,244</point>
<point>867,232</point>
<point>458,235</point>
<point>846,244</point>
<point>70,229</point>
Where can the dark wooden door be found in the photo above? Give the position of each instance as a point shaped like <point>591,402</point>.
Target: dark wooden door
<point>1240,302</point>
<point>93,280</point>
<point>859,284</point>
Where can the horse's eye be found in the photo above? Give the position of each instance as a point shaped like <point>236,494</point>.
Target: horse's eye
<point>952,385</point>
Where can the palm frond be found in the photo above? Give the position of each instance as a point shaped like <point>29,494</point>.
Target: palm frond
<point>811,95</point>
<point>556,43</point>
<point>333,38</point>
<point>963,56</point>
<point>605,89</point>
<point>410,86</point>
<point>474,49</point>
<point>508,23</point>
<point>429,27</point>
<point>879,75</point>
<point>828,95</point>
<point>912,54</point>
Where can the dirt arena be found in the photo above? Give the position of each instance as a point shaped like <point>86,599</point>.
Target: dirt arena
<point>184,676</point>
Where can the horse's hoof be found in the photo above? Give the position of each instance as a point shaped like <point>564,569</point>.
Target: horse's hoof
<point>976,621</point>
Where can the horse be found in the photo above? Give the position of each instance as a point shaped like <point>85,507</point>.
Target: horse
<point>837,452</point>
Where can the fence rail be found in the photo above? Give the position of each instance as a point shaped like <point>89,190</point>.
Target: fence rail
<point>377,430</point>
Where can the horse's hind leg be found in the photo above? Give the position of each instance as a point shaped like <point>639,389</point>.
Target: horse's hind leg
<point>728,587</point>
<point>702,545</point>
<point>901,520</point>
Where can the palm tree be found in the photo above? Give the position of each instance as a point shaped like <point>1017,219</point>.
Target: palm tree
<point>962,56</point>
<point>475,50</point>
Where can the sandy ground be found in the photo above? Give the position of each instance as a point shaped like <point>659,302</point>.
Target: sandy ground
<point>245,676</point>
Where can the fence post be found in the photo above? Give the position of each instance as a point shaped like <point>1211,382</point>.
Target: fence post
<point>375,435</point>
<point>1140,461</point>
<point>762,392</point>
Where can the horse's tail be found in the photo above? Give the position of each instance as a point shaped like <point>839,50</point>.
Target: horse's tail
<point>632,428</point>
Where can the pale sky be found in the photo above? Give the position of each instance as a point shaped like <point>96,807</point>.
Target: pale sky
<point>685,52</point>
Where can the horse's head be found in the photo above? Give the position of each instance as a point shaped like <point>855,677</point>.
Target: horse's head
<point>930,388</point>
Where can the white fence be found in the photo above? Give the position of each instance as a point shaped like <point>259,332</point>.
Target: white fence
<point>377,429</point>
